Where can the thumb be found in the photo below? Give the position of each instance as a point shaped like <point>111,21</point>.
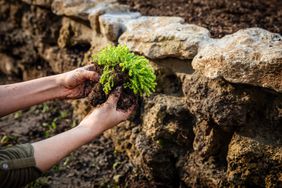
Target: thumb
<point>90,75</point>
<point>114,96</point>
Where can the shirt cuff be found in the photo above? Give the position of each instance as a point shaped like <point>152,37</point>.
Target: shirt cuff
<point>18,166</point>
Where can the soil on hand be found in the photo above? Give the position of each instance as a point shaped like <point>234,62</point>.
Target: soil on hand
<point>221,17</point>
<point>127,97</point>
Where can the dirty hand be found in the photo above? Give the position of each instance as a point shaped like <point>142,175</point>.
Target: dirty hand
<point>107,115</point>
<point>76,82</point>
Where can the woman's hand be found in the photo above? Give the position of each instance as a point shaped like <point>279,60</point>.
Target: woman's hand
<point>76,83</point>
<point>107,115</point>
<point>102,118</point>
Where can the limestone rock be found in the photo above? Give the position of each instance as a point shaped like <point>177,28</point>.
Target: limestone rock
<point>251,159</point>
<point>160,37</point>
<point>105,8</point>
<point>7,65</point>
<point>61,60</point>
<point>44,3</point>
<point>167,119</point>
<point>76,8</point>
<point>73,33</point>
<point>155,145</point>
<point>239,129</point>
<point>251,56</point>
<point>197,172</point>
<point>217,101</point>
<point>167,80</point>
<point>113,25</point>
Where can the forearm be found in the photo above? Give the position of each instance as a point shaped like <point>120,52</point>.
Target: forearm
<point>22,95</point>
<point>50,151</point>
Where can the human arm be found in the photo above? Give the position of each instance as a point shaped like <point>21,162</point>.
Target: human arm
<point>44,154</point>
<point>59,146</point>
<point>66,85</point>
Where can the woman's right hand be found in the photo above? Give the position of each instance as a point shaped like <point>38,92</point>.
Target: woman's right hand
<point>107,115</point>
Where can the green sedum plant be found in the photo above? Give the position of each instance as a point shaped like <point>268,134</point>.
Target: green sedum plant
<point>142,79</point>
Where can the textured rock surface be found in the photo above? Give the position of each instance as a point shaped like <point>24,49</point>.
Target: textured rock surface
<point>103,8</point>
<point>155,145</point>
<point>113,25</point>
<point>160,37</point>
<point>74,8</point>
<point>73,33</point>
<point>7,65</point>
<point>251,56</point>
<point>237,134</point>
<point>44,3</point>
<point>252,161</point>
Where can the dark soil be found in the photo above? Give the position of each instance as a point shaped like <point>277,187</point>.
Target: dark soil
<point>221,17</point>
<point>127,97</point>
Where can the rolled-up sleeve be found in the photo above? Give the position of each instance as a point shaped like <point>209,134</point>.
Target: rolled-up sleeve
<point>17,166</point>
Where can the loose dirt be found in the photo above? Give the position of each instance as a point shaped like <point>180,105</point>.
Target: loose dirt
<point>221,17</point>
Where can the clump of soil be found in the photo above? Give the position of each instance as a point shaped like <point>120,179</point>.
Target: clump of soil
<point>127,97</point>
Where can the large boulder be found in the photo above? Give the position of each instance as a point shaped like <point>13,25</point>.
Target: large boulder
<point>250,56</point>
<point>160,37</point>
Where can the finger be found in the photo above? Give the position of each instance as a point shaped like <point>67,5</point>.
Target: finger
<point>114,97</point>
<point>126,114</point>
<point>89,67</point>
<point>88,89</point>
<point>90,75</point>
<point>130,110</point>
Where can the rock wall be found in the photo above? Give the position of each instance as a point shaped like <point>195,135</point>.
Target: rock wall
<point>216,117</point>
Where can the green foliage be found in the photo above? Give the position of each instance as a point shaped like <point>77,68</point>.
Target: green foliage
<point>142,79</point>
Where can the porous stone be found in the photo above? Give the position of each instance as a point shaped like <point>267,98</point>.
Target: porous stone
<point>62,60</point>
<point>113,25</point>
<point>238,128</point>
<point>252,161</point>
<point>250,56</point>
<point>155,145</point>
<point>44,3</point>
<point>105,8</point>
<point>73,33</point>
<point>77,8</point>
<point>7,65</point>
<point>167,117</point>
<point>160,37</point>
<point>199,172</point>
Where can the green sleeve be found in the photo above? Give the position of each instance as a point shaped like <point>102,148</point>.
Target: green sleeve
<point>17,166</point>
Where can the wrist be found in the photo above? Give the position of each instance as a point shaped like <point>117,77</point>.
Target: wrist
<point>62,92</point>
<point>92,128</point>
<point>88,133</point>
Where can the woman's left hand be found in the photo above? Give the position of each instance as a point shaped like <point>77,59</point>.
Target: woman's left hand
<point>76,82</point>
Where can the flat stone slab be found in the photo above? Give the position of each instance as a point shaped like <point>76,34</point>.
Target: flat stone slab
<point>77,8</point>
<point>44,3</point>
<point>161,37</point>
<point>250,56</point>
<point>114,24</point>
